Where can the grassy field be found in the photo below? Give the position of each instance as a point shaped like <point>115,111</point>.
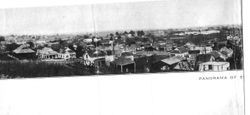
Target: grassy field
<point>16,69</point>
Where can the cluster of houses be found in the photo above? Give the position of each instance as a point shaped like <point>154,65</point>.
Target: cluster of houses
<point>184,58</point>
<point>24,52</point>
<point>157,56</point>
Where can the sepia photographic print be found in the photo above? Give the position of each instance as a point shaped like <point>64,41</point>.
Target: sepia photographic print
<point>121,38</point>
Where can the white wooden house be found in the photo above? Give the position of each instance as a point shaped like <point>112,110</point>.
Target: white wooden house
<point>214,66</point>
<point>97,57</point>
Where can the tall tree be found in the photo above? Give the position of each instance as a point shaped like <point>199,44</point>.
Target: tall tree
<point>11,47</point>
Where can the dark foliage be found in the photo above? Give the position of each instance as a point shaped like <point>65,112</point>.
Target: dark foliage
<point>11,47</point>
<point>42,69</point>
<point>2,38</point>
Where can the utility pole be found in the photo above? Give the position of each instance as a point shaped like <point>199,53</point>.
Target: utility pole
<point>234,50</point>
<point>113,47</point>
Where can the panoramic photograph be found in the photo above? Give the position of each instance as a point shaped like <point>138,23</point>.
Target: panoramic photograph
<point>121,38</point>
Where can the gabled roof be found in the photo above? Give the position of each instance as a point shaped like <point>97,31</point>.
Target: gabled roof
<point>172,60</point>
<point>26,50</point>
<point>23,49</point>
<point>47,51</point>
<point>66,50</point>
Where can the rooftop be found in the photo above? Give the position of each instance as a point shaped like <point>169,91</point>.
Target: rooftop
<point>172,60</point>
<point>215,63</point>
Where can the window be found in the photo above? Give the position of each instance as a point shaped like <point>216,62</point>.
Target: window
<point>210,67</point>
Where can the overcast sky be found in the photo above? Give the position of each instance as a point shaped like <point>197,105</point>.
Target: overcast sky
<point>119,16</point>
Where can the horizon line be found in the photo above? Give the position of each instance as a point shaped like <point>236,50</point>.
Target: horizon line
<point>137,29</point>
